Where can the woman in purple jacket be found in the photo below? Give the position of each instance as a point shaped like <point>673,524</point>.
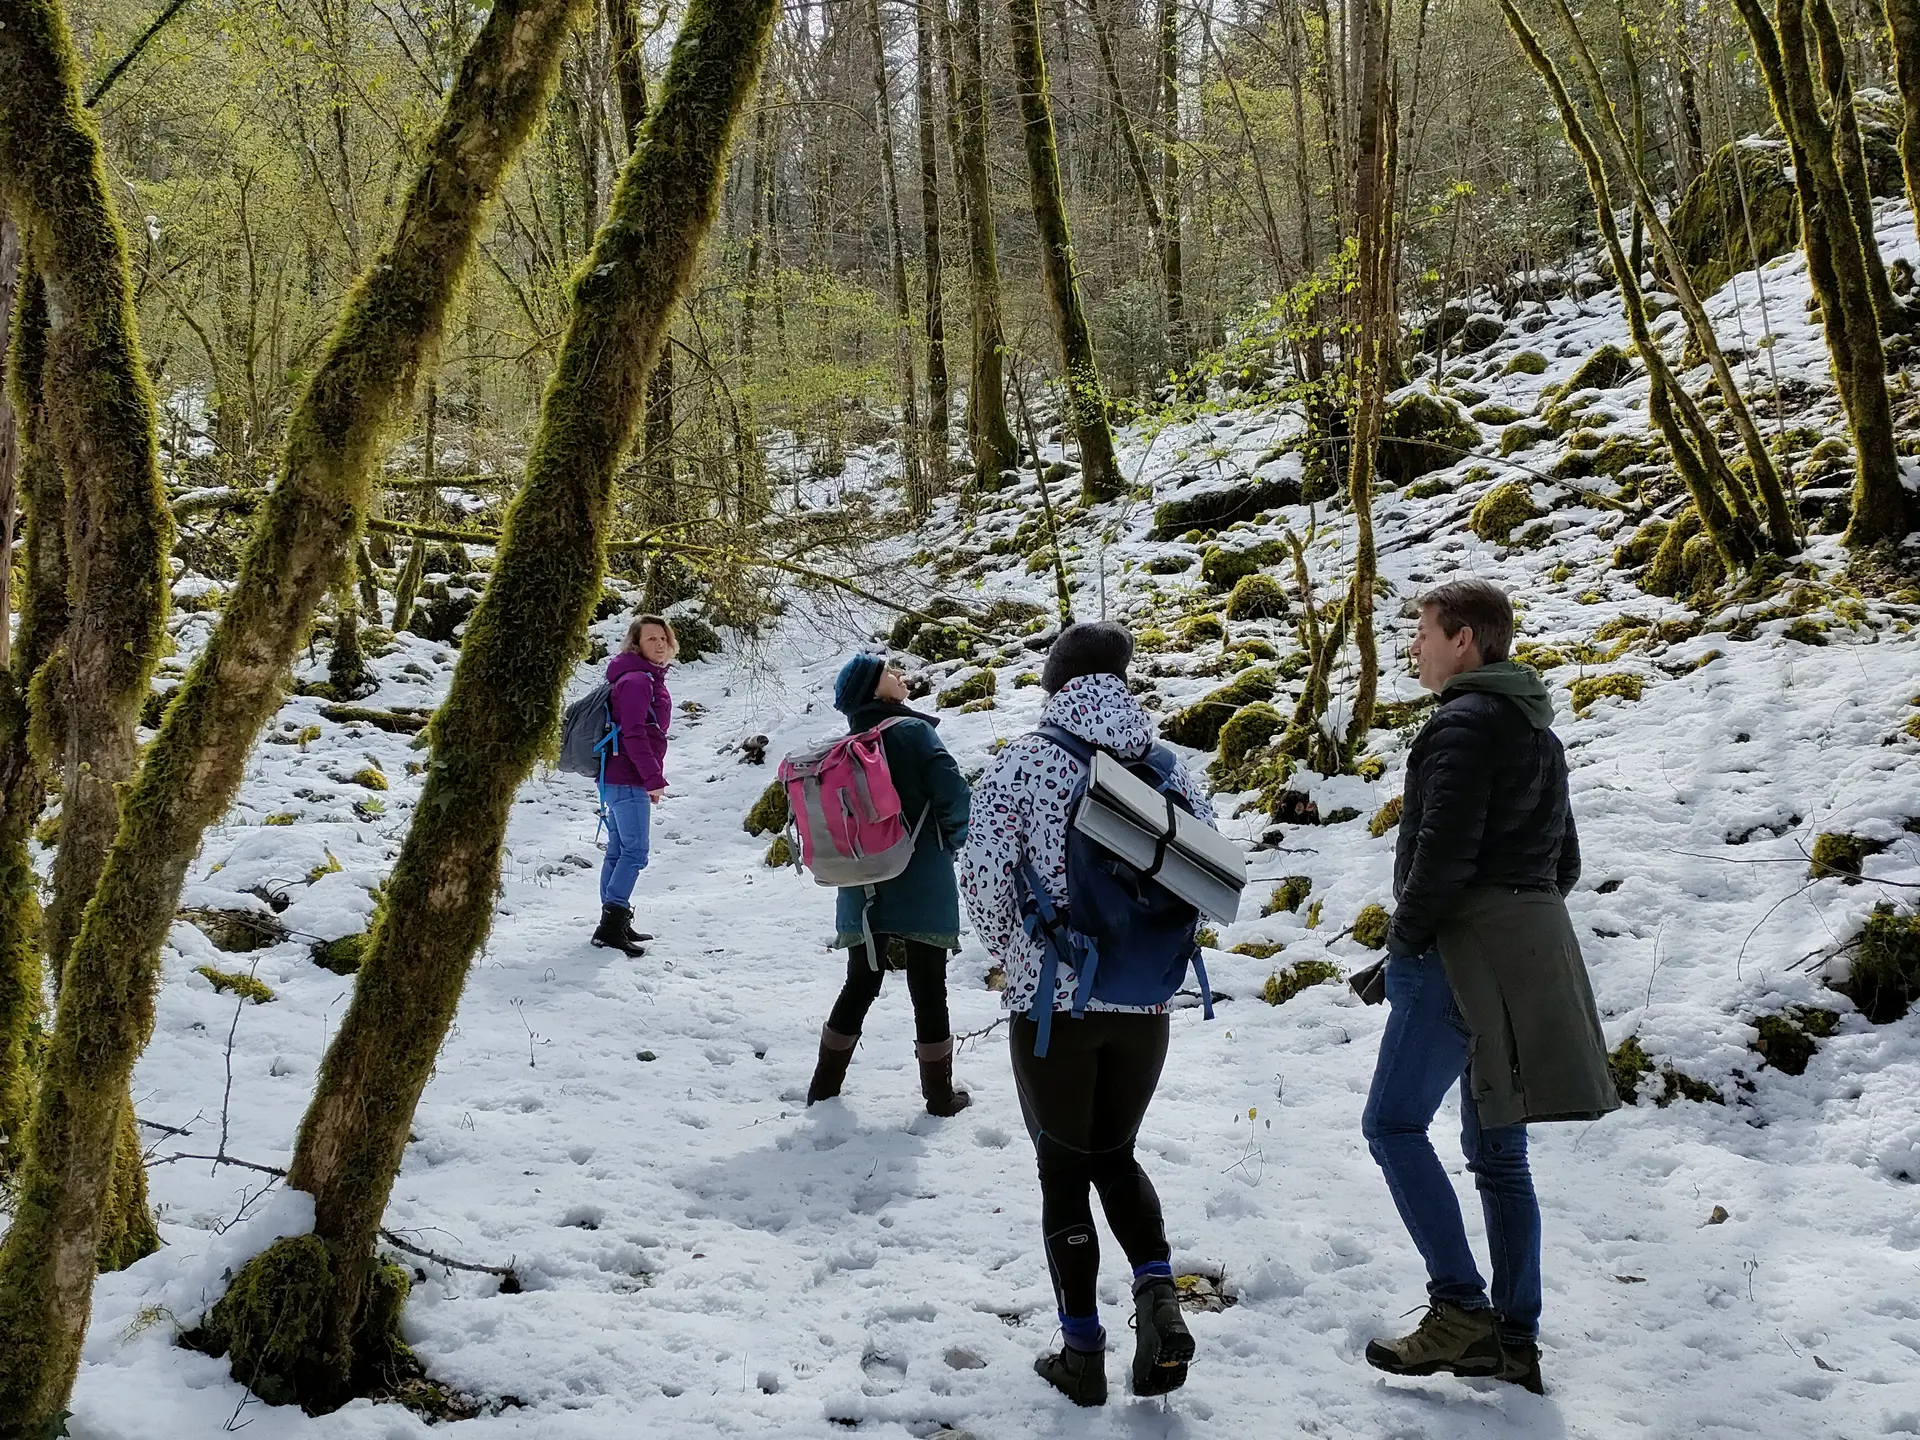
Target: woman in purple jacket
<point>636,774</point>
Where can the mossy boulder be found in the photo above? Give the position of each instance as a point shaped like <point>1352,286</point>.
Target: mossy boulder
<point>1641,546</point>
<point>1790,1039</point>
<point>1602,370</point>
<point>1630,1064</point>
<point>1885,978</point>
<point>1523,435</point>
<point>1249,730</point>
<point>1283,985</point>
<point>1842,855</point>
<point>981,685</point>
<point>698,639</point>
<point>1198,726</point>
<point>1620,685</point>
<point>1621,453</point>
<point>1748,182</point>
<point>236,932</point>
<point>779,853</point>
<point>1385,818</point>
<point>236,982</point>
<point>1202,630</point>
<point>1289,895</point>
<point>1172,563</point>
<point>1502,508</point>
<point>1666,573</point>
<point>1257,597</point>
<point>1370,926</point>
<point>1496,414</point>
<point>1218,508</point>
<point>1525,362</point>
<point>1223,567</point>
<point>341,956</point>
<point>770,813</point>
<point>1421,432</point>
<point>937,643</point>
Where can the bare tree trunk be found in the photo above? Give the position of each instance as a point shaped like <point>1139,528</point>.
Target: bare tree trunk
<point>301,544</point>
<point>504,702</point>
<point>751,504</point>
<point>1172,264</point>
<point>989,437</point>
<point>919,497</point>
<point>939,387</point>
<point>1086,398</point>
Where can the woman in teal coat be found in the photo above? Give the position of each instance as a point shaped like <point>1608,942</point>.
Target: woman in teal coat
<point>915,917</point>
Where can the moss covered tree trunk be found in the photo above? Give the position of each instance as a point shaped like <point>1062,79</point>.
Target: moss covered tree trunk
<point>43,623</point>
<point>1850,156</point>
<point>1781,532</point>
<point>919,498</point>
<point>1172,265</point>
<point>503,705</point>
<point>989,437</point>
<point>1738,544</point>
<point>1836,264</point>
<point>1903,22</point>
<point>99,425</point>
<point>939,386</point>
<point>9,431</point>
<point>1086,397</point>
<point>301,545</point>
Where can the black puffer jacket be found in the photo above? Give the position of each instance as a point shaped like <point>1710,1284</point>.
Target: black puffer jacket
<point>1485,804</point>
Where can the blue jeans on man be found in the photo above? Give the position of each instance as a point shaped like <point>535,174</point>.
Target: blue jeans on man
<point>1423,1054</point>
<point>629,813</point>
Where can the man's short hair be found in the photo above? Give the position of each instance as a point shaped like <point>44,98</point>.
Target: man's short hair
<point>1479,605</point>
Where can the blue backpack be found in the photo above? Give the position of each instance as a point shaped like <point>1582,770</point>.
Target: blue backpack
<point>1128,939</point>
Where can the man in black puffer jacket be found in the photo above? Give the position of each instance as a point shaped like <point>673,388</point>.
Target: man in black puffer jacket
<point>1487,984</point>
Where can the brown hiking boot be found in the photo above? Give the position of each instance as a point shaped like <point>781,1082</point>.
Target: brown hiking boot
<point>1448,1340</point>
<point>830,1070</point>
<point>936,1078</point>
<point>1520,1365</point>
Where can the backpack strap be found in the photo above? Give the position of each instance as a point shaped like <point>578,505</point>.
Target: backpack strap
<point>607,744</point>
<point>1043,924</point>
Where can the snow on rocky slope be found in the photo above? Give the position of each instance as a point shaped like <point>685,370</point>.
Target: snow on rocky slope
<point>699,1254</point>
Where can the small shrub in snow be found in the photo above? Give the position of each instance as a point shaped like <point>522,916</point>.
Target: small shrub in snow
<point>280,817</point>
<point>1283,985</point>
<point>1525,362</point>
<point>779,853</point>
<point>1370,927</point>
<point>1885,979</point>
<point>981,685</point>
<point>1500,509</point>
<point>1385,818</point>
<point>245,986</point>
<point>1622,685</point>
<point>1257,597</point>
<point>1289,895</point>
<point>770,813</point>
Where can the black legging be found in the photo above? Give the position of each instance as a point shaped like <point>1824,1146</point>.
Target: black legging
<point>1083,1105</point>
<point>926,967</point>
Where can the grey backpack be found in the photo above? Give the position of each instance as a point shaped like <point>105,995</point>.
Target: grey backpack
<point>588,734</point>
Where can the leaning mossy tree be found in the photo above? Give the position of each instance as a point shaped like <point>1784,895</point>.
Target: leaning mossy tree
<point>499,714</point>
<point>1086,397</point>
<point>299,550</point>
<point>98,425</point>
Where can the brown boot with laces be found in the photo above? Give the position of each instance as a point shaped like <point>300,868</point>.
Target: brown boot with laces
<point>1449,1340</point>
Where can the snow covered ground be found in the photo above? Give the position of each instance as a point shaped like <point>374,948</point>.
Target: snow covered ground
<point>701,1255</point>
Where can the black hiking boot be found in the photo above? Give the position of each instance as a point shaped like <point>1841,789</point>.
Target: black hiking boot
<point>1448,1340</point>
<point>936,1078</point>
<point>616,931</point>
<point>1162,1344</point>
<point>1080,1375</point>
<point>830,1070</point>
<point>1520,1365</point>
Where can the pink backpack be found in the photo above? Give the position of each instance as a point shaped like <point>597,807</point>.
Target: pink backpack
<point>848,825</point>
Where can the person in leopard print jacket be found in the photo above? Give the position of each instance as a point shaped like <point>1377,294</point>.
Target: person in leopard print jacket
<point>1084,1100</point>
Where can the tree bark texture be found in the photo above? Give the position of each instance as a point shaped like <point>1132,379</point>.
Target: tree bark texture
<point>1086,397</point>
<point>939,386</point>
<point>9,430</point>
<point>1172,265</point>
<point>1850,156</point>
<point>518,652</point>
<point>1903,22</point>
<point>302,544</point>
<point>919,498</point>
<point>989,437</point>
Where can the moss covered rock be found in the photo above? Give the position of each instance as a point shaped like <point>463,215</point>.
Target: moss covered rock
<point>1839,854</point>
<point>1283,985</point>
<point>1216,509</point>
<point>1525,362</point>
<point>1223,567</point>
<point>1249,730</point>
<point>1605,368</point>
<point>342,956</point>
<point>981,685</point>
<point>1710,224</point>
<point>779,853</point>
<point>1885,978</point>
<point>1288,896</point>
<point>770,813</point>
<point>1495,413</point>
<point>1421,432</point>
<point>936,643</point>
<point>1621,685</point>
<point>1500,509</point>
<point>1198,725</point>
<point>1523,436</point>
<point>1792,1038</point>
<point>1257,597</point>
<point>1370,926</point>
<point>1202,630</point>
<point>1641,546</point>
<point>236,982</point>
<point>1385,818</point>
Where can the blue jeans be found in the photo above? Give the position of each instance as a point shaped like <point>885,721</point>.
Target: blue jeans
<point>1423,1054</point>
<point>629,817</point>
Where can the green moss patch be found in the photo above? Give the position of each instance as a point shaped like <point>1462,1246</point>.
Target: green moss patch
<point>1500,509</point>
<point>1885,978</point>
<point>1749,182</point>
<point>1790,1039</point>
<point>1247,732</point>
<point>342,956</point>
<point>1399,714</point>
<point>1603,370</point>
<point>1621,685</point>
<point>1222,567</point>
<point>234,982</point>
<point>1198,725</point>
<point>779,853</point>
<point>770,813</point>
<point>1385,818</point>
<point>1422,432</point>
<point>1836,853</point>
<point>1289,895</point>
<point>1202,630</point>
<point>1370,926</point>
<point>1525,362</point>
<point>369,778</point>
<point>1257,597</point>
<point>1283,985</point>
<point>981,685</point>
<point>1257,949</point>
<point>1494,413</point>
<point>1630,1064</point>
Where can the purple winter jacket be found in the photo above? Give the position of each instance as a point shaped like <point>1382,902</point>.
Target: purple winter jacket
<point>642,709</point>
